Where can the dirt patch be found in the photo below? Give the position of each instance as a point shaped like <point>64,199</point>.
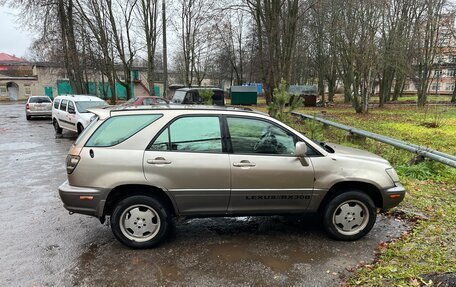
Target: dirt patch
<point>441,280</point>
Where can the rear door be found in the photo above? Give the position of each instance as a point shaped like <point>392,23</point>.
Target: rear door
<point>266,176</point>
<point>187,159</point>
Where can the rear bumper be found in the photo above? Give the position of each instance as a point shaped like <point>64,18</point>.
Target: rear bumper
<point>393,196</point>
<point>38,113</point>
<point>84,200</point>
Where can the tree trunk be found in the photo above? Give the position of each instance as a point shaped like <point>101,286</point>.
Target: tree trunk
<point>453,97</point>
<point>165,52</point>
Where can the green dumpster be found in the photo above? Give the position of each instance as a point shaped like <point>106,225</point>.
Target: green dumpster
<point>243,95</point>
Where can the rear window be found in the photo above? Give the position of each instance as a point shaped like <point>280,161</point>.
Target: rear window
<point>119,128</point>
<point>39,100</point>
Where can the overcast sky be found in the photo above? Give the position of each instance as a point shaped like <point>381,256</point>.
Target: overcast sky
<point>13,40</point>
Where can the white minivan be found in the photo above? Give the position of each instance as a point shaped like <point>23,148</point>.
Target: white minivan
<point>70,112</point>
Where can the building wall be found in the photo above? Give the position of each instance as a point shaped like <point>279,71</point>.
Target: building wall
<point>25,88</point>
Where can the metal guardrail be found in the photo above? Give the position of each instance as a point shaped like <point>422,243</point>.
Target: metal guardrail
<point>419,150</point>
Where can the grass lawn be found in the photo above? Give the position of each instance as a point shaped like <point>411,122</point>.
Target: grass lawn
<point>430,204</point>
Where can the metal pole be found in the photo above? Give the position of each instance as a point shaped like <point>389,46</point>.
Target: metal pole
<point>423,151</point>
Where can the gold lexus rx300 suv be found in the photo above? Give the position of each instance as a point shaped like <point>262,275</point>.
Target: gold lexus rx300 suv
<point>142,166</point>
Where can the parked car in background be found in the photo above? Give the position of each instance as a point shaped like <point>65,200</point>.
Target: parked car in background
<point>38,106</point>
<point>70,112</point>
<point>141,167</point>
<point>145,101</point>
<point>190,96</point>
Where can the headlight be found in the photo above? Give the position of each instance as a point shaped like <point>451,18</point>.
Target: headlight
<point>392,174</point>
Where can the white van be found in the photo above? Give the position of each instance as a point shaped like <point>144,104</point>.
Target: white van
<point>70,112</point>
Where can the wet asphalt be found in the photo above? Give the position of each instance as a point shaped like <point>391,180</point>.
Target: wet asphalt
<point>42,245</point>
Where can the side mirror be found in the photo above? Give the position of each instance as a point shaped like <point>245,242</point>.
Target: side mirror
<point>300,152</point>
<point>301,149</point>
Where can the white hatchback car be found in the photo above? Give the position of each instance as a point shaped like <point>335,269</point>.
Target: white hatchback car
<point>70,112</point>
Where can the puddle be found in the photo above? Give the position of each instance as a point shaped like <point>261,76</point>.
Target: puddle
<point>12,146</point>
<point>278,259</point>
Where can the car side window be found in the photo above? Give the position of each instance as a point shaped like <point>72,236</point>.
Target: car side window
<point>251,136</point>
<point>71,109</point>
<point>56,104</point>
<point>119,128</point>
<point>63,105</point>
<point>191,134</point>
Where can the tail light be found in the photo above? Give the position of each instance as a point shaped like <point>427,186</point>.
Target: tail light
<point>71,162</point>
<point>27,106</point>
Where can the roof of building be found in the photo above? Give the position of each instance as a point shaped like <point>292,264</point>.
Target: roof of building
<point>10,58</point>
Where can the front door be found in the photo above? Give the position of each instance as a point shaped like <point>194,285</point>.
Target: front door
<point>12,91</point>
<point>188,160</point>
<point>266,176</point>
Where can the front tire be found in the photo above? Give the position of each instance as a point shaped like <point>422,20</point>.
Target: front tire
<point>140,222</point>
<point>80,129</point>
<point>349,216</point>
<point>57,128</point>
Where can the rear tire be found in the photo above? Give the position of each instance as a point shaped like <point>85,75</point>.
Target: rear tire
<point>57,128</point>
<point>28,118</point>
<point>140,222</point>
<point>349,216</point>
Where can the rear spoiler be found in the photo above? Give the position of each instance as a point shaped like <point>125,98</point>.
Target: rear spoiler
<point>102,112</point>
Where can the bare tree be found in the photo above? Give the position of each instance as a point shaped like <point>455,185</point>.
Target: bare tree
<point>194,21</point>
<point>231,33</point>
<point>276,26</point>
<point>96,18</point>
<point>425,37</point>
<point>165,52</point>
<point>358,25</point>
<point>148,15</point>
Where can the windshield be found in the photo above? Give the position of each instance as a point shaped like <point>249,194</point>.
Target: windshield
<point>83,106</point>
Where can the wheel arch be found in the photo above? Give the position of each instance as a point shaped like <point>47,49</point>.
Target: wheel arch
<point>123,191</point>
<point>367,188</point>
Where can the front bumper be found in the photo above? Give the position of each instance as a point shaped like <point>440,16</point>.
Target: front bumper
<point>84,200</point>
<point>393,196</point>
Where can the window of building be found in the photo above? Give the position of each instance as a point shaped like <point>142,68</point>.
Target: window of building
<point>435,87</point>
<point>3,90</point>
<point>452,59</point>
<point>451,73</point>
<point>438,73</point>
<point>450,87</point>
<point>28,90</point>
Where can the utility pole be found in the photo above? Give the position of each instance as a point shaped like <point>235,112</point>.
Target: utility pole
<point>165,53</point>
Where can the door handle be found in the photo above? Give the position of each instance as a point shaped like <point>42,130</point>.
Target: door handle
<point>158,160</point>
<point>244,163</point>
